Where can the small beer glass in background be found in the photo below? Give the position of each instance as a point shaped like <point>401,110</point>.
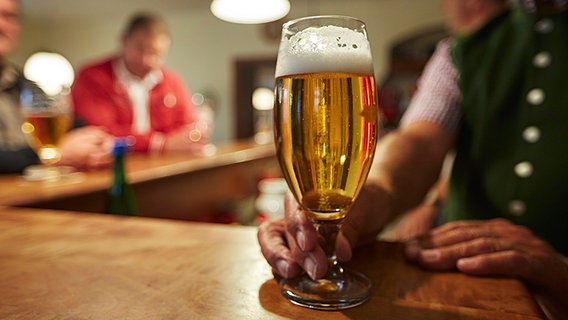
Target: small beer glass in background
<point>46,120</point>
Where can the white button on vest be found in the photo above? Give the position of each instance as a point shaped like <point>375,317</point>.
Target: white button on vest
<point>542,59</point>
<point>517,208</point>
<point>535,96</point>
<point>524,169</point>
<point>531,134</point>
<point>544,26</point>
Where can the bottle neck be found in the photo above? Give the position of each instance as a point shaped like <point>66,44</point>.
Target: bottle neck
<point>118,169</point>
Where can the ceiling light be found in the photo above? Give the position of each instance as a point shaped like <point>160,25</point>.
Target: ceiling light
<point>263,99</point>
<point>50,71</point>
<point>250,11</point>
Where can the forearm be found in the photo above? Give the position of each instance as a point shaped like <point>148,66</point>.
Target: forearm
<point>408,163</point>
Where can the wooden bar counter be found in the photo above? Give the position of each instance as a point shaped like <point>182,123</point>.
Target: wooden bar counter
<point>69,265</point>
<point>166,186</point>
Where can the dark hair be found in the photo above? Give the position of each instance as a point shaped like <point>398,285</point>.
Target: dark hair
<point>146,22</point>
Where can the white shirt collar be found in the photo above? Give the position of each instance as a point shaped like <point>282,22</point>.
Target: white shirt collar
<point>138,93</point>
<point>127,78</point>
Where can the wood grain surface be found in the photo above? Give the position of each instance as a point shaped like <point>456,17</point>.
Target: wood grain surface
<point>65,265</point>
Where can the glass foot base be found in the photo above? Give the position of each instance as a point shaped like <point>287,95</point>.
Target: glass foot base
<point>349,290</point>
<point>52,174</point>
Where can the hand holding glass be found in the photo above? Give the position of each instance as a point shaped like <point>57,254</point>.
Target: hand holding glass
<point>326,128</point>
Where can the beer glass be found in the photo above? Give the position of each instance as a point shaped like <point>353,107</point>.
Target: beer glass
<point>326,128</point>
<point>46,120</point>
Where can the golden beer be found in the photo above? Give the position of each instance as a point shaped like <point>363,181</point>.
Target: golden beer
<point>326,129</point>
<point>44,130</point>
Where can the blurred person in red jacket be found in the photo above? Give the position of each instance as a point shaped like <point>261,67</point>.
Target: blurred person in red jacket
<point>132,95</point>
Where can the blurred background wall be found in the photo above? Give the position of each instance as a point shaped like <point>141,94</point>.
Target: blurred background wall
<point>205,48</point>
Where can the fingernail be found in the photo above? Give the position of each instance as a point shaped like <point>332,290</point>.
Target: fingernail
<point>301,240</point>
<point>467,263</point>
<point>282,266</point>
<point>310,267</point>
<point>430,255</point>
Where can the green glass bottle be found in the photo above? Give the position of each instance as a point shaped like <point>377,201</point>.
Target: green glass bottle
<point>120,197</point>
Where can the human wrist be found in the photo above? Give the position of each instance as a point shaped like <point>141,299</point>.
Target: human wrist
<point>370,214</point>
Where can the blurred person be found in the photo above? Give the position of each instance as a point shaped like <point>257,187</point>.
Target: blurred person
<point>83,148</point>
<point>132,95</point>
<point>500,104</point>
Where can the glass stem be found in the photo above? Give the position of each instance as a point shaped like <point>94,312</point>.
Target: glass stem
<point>328,231</point>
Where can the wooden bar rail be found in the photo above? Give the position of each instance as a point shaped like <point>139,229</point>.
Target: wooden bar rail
<point>166,186</point>
<point>65,265</point>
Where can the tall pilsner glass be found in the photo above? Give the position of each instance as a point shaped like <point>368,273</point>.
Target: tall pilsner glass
<point>326,129</point>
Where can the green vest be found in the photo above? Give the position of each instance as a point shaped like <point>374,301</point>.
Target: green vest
<point>512,147</point>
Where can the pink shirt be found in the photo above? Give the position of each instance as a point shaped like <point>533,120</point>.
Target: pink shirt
<point>437,98</point>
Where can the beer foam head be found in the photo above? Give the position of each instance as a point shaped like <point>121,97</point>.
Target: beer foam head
<point>324,49</point>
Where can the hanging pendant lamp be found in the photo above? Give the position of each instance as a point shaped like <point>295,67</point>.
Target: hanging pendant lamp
<point>51,71</point>
<point>250,11</point>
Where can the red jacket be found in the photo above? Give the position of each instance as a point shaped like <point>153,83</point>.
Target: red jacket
<point>99,99</point>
